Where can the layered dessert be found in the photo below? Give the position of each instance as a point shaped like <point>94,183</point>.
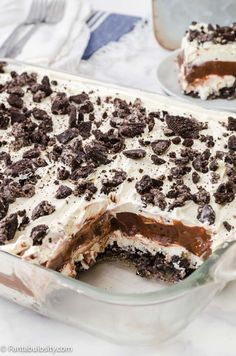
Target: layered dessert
<point>90,173</point>
<point>207,61</point>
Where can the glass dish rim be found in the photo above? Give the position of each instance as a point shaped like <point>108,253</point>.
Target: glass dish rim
<point>197,279</point>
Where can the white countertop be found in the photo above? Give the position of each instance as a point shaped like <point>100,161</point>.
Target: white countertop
<point>132,63</point>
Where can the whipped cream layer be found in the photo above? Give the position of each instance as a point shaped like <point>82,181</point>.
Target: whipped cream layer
<point>204,205</point>
<point>206,48</point>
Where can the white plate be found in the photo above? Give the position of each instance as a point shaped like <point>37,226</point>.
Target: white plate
<point>167,74</point>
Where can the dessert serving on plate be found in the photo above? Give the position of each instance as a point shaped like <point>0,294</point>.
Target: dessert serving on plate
<point>90,174</point>
<point>207,61</point>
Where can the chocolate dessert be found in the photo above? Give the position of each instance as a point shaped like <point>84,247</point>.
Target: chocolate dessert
<point>90,174</point>
<point>207,61</point>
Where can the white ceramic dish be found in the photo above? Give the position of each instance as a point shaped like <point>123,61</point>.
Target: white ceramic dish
<point>167,74</point>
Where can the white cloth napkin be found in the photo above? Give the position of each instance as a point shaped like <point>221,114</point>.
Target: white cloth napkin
<point>59,45</point>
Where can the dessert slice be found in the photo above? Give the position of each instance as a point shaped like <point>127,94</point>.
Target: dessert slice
<point>207,61</point>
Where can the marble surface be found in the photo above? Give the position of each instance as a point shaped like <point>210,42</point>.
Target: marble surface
<point>133,63</point>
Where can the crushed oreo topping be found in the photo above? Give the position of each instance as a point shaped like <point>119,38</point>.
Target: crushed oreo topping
<point>135,153</point>
<point>206,214</point>
<point>213,33</point>
<point>4,205</point>
<point>109,184</point>
<point>184,127</point>
<point>201,197</point>
<point>68,135</point>
<point>85,187</point>
<point>79,98</point>
<point>231,123</point>
<point>15,101</point>
<point>43,208</point>
<point>195,177</point>
<point>227,226</point>
<point>38,233</point>
<point>225,193</point>
<point>157,160</point>
<point>147,183</point>
<point>8,227</point>
<point>160,146</point>
<point>63,192</point>
<point>232,143</point>
<point>60,104</point>
<point>63,173</point>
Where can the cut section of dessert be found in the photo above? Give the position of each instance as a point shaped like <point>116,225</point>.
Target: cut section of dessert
<point>167,252</point>
<point>208,61</point>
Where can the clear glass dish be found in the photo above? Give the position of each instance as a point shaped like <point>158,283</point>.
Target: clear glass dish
<point>111,301</point>
<point>171,18</point>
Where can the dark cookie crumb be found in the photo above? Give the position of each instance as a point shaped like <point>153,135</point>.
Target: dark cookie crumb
<point>8,227</point>
<point>108,184</point>
<point>85,187</point>
<point>15,101</point>
<point>62,173</point>
<point>195,177</point>
<point>160,146</point>
<point>183,126</point>
<point>232,143</point>
<point>135,153</point>
<point>227,226</point>
<point>231,124</point>
<point>225,193</point>
<point>206,214</point>
<point>67,135</point>
<point>63,192</point>
<point>157,160</point>
<point>38,233</point>
<point>43,208</point>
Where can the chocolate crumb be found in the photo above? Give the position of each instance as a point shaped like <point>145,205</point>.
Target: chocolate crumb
<point>135,153</point>
<point>146,183</point>
<point>160,146</point>
<point>63,192</point>
<point>227,226</point>
<point>43,208</point>
<point>15,101</point>
<point>201,197</point>
<point>231,124</point>
<point>79,98</point>
<point>206,214</point>
<point>60,104</point>
<point>8,227</point>
<point>67,135</point>
<point>225,193</point>
<point>157,160</point>
<point>62,173</point>
<point>232,143</point>
<point>195,177</point>
<point>108,184</point>
<point>176,140</point>
<point>85,187</point>
<point>183,126</point>
<point>32,153</point>
<point>4,205</point>
<point>38,233</point>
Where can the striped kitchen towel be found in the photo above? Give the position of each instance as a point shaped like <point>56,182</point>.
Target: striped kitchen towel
<point>107,27</point>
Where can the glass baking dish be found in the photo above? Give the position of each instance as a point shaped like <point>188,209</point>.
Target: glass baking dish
<point>111,301</point>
